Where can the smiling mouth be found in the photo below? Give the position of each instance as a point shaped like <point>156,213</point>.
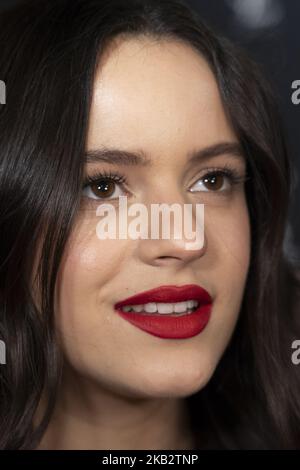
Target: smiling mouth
<point>160,308</point>
<point>169,312</point>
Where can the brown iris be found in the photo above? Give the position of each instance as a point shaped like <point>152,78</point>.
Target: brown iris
<point>214,182</point>
<point>103,188</point>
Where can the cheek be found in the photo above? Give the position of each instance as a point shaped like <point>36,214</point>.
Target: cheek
<point>88,261</point>
<point>88,267</point>
<point>236,243</point>
<point>229,245</point>
<point>229,242</point>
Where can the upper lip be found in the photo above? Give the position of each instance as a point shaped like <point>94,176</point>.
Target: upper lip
<point>168,294</point>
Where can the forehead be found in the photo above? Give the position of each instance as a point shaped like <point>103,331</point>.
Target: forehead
<point>155,95</point>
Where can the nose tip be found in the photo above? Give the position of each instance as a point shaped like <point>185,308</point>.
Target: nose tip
<point>162,252</point>
<point>181,243</point>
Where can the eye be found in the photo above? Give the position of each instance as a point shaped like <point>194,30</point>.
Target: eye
<point>217,181</point>
<point>104,186</point>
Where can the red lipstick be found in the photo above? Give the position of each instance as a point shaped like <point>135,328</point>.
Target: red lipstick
<point>170,326</point>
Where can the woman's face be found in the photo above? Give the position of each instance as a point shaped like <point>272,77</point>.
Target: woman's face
<point>160,99</point>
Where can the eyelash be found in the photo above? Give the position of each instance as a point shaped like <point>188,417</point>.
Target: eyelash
<point>231,173</point>
<point>95,178</point>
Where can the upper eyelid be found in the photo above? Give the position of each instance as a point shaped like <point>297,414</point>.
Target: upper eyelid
<point>228,164</point>
<point>113,172</point>
<point>113,175</point>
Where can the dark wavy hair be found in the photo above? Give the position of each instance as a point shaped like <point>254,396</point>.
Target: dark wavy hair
<point>49,54</point>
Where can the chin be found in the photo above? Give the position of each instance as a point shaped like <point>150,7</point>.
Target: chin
<point>181,382</point>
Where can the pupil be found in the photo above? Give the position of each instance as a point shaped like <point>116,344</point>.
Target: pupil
<point>212,181</point>
<point>103,188</point>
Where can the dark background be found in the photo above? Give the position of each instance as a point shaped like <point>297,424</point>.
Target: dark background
<point>268,29</point>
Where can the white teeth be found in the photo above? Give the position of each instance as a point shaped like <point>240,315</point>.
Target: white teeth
<point>163,308</point>
<point>180,307</point>
<point>150,308</point>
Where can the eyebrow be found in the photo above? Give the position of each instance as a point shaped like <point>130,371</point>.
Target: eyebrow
<point>140,158</point>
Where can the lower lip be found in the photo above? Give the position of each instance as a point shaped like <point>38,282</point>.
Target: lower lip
<point>171,327</point>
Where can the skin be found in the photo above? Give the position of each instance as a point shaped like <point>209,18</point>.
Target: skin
<point>123,388</point>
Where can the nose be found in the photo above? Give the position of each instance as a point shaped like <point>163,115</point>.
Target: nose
<point>182,242</point>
